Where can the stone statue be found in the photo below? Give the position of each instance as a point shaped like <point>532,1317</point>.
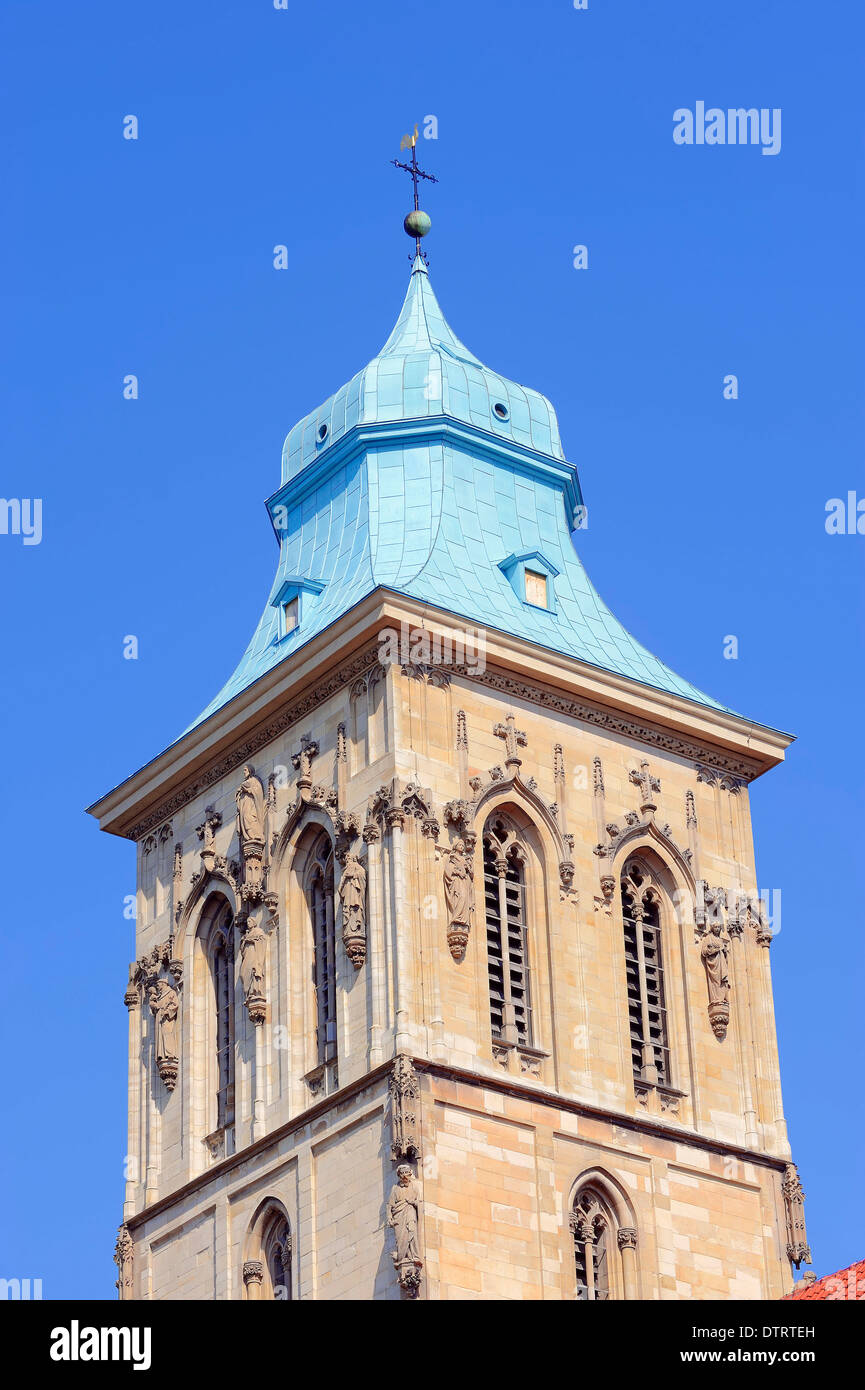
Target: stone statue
<point>459,897</point>
<point>352,894</point>
<point>123,1256</point>
<point>165,1004</point>
<point>713,953</point>
<point>253,947</point>
<point>402,1216</point>
<point>250,807</point>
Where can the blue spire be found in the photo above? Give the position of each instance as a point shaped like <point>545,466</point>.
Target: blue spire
<point>430,475</point>
<point>421,326</point>
<point>424,370</point>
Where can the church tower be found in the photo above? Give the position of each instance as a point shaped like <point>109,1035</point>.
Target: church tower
<point>451,978</point>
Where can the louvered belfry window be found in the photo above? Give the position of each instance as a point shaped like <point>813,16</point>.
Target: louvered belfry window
<point>507,940</point>
<point>650,1053</point>
<point>222,969</point>
<point>320,896</point>
<point>590,1227</point>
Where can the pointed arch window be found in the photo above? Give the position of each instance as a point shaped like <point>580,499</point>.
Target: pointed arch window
<point>220,951</point>
<point>644,964</point>
<point>277,1259</point>
<point>320,899</point>
<point>507,933</point>
<point>267,1271</point>
<point>590,1228</point>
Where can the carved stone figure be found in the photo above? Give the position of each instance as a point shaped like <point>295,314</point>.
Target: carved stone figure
<point>250,807</point>
<point>402,1216</point>
<point>713,952</point>
<point>459,897</point>
<point>253,949</point>
<point>123,1251</point>
<point>352,893</point>
<point>165,1005</point>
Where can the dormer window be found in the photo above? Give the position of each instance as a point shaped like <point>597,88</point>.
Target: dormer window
<point>536,588</point>
<point>295,601</point>
<point>532,577</point>
<point>291,614</point>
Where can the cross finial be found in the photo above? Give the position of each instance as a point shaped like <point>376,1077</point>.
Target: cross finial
<point>648,785</point>
<point>302,761</point>
<point>514,738</point>
<point>417,223</point>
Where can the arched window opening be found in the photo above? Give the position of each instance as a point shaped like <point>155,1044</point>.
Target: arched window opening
<point>650,1052</point>
<point>267,1271</point>
<point>277,1259</point>
<point>590,1227</point>
<point>221,955</point>
<point>507,933</point>
<point>320,898</point>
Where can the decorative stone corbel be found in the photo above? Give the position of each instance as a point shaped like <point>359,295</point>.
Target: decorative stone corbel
<point>459,814</point>
<point>763,933</point>
<point>567,891</point>
<point>123,1256</point>
<point>404,1101</point>
<point>382,806</point>
<point>347,828</point>
<point>608,888</point>
<point>417,801</point>
<point>132,996</point>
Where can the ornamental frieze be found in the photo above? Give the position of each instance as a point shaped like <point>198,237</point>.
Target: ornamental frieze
<point>725,765</point>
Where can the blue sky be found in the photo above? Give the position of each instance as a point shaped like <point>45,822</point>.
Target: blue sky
<point>706,517</point>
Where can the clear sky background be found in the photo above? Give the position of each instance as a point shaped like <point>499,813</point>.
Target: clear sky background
<point>706,517</point>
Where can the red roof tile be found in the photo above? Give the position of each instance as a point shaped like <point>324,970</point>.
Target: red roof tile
<point>848,1283</point>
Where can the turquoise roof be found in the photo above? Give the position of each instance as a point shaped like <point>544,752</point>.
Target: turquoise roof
<point>424,370</point>
<point>419,484</point>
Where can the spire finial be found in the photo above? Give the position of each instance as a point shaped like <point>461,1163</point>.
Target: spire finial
<point>417,223</point>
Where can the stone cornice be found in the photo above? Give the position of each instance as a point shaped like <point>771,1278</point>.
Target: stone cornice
<point>294,689</point>
<point>511,1086</point>
<point>245,749</point>
<point>535,1094</point>
<point>206,752</point>
<point>610,721</point>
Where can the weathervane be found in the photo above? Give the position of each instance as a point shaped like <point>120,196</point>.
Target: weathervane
<point>417,223</point>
